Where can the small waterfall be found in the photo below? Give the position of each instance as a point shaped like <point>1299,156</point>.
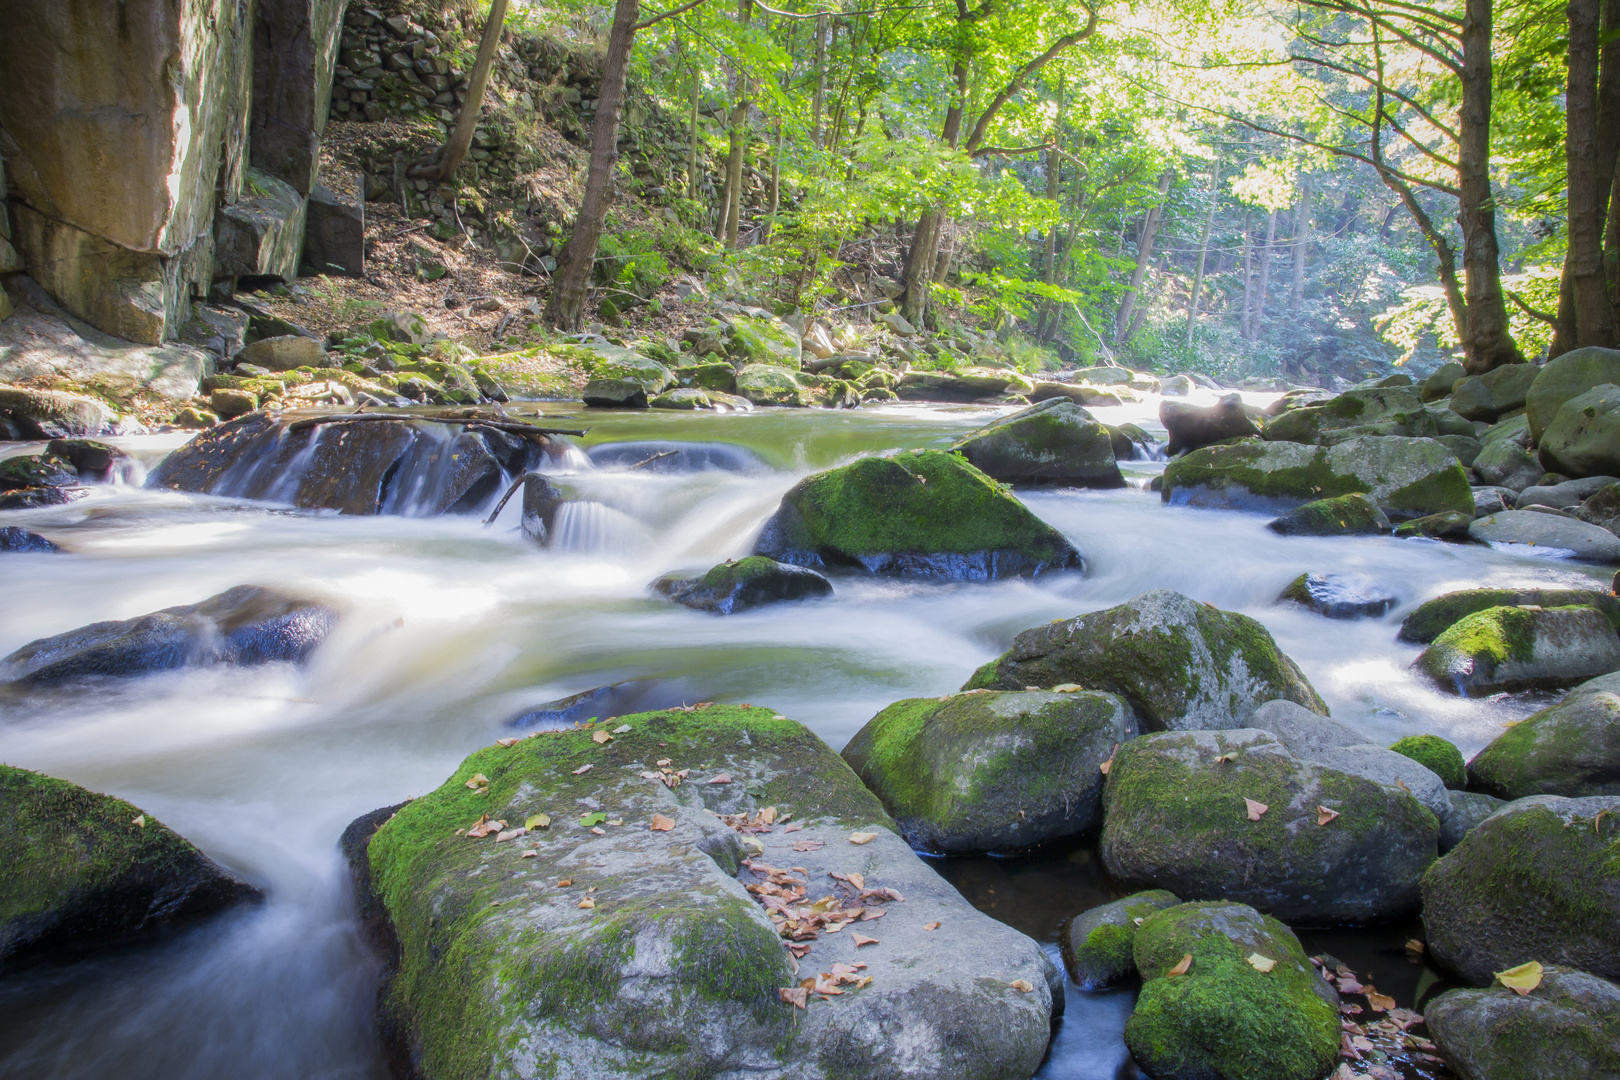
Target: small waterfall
<point>593,528</point>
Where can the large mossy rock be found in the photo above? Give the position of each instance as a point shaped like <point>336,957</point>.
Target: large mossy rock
<point>922,513</point>
<point>1055,442</point>
<point>625,379</point>
<point>1504,463</point>
<point>86,868</point>
<point>1179,664</point>
<point>1485,397</point>
<point>1567,376</point>
<point>982,771</point>
<point>982,384</point>
<point>1432,617</point>
<point>1355,514</point>
<point>1439,756</point>
<point>1096,944</point>
<point>1192,427</point>
<point>1571,749</point>
<point>635,950</point>
<point>1177,816</point>
<point>1584,436</point>
<point>244,626</point>
<point>1224,1018</point>
<point>742,584</point>
<point>1381,410</point>
<point>766,341</point>
<point>1537,880</point>
<point>1407,477</point>
<point>1566,1027</point>
<point>1521,648</point>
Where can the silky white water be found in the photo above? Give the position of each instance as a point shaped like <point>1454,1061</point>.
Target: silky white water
<point>453,628</point>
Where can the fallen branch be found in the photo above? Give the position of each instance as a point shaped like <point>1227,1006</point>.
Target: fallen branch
<point>655,457</point>
<point>495,513</point>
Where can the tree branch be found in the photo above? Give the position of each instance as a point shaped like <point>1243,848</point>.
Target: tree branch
<point>656,19</point>
<point>1534,313</point>
<point>982,127</point>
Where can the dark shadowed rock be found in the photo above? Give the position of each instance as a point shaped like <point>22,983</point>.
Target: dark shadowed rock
<point>1055,442</point>
<point>616,699</point>
<point>95,461</point>
<point>36,471</point>
<point>1568,1026</point>
<point>1339,596</point>
<point>737,585</point>
<point>1096,944</point>
<point>1195,426</point>
<point>17,538</point>
<point>1450,525</point>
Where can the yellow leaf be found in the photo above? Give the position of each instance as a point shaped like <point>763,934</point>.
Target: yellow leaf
<point>1415,947</point>
<point>1106,767</point>
<point>931,926</point>
<point>479,780</point>
<point>587,903</point>
<point>601,737</point>
<point>1522,979</point>
<point>1324,815</point>
<point>1023,986</point>
<point>1181,968</point>
<point>1256,809</point>
<point>565,882</point>
<point>140,821</point>
<point>537,821</point>
<point>660,823</point>
<point>1261,963</point>
<point>1067,688</point>
<point>862,837</point>
<point>857,880</point>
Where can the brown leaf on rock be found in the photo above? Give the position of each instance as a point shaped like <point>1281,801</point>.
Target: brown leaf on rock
<point>583,769</point>
<point>861,939</point>
<point>600,737</point>
<point>857,880</point>
<point>1379,1002</point>
<point>660,823</point>
<point>1324,815</point>
<point>587,903</point>
<point>796,996</point>
<point>723,778</point>
<point>478,780</point>
<point>1181,968</point>
<point>140,821</point>
<point>565,882</point>
<point>507,742</point>
<point>1415,947</point>
<point>931,926</point>
<point>808,845</point>
<point>862,837</point>
<point>1023,986</point>
<point>1256,809</point>
<point>1106,767</point>
<point>530,854</point>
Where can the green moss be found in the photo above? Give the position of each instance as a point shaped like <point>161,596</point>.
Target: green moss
<point>1222,468</point>
<point>1468,653</point>
<point>1347,515</point>
<point>1437,755</point>
<point>1571,748</point>
<point>1431,618</point>
<point>1096,944</point>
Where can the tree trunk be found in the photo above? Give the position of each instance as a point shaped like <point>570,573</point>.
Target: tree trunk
<point>1302,240</point>
<point>919,270</point>
<point>775,194</point>
<point>1203,248</point>
<point>692,145</point>
<point>820,99</point>
<point>1264,284</point>
<point>1585,316</point>
<point>1248,280</point>
<point>444,164</point>
<point>1487,342</point>
<point>573,278</point>
<point>1144,257</point>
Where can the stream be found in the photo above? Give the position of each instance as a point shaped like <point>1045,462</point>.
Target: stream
<point>454,629</point>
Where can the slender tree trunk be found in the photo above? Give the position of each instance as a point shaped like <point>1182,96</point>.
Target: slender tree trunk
<point>692,145</point>
<point>1258,321</point>
<point>1203,248</point>
<point>444,164</point>
<point>579,254</point>
<point>819,100</point>
<point>775,195</point>
<point>1248,280</point>
<point>1054,173</point>
<point>1585,316</point>
<point>1302,240</point>
<point>1144,258</point>
<point>919,269</point>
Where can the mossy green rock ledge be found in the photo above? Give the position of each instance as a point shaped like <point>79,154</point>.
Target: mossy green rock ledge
<point>1355,514</point>
<point>1179,664</point>
<point>1407,478</point>
<point>1568,1026</point>
<point>985,771</point>
<point>737,585</point>
<point>672,968</point>
<point>1055,442</point>
<point>1521,648</point>
<point>1439,756</point>
<point>1177,815</point>
<point>1571,748</point>
<point>1537,880</point>
<point>924,513</point>
<point>1224,1018</point>
<point>1432,617</point>
<point>86,868</point>
<point>1096,944</point>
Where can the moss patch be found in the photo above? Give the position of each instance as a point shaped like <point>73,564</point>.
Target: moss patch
<point>1437,755</point>
<point>1433,617</point>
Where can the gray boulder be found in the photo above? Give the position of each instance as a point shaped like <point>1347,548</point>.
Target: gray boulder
<point>1096,944</point>
<point>1521,648</point>
<point>1179,664</point>
<point>1439,384</point>
<point>1195,426</point>
<point>1468,810</point>
<point>1505,464</point>
<point>1485,397</point>
<point>1565,377</point>
<point>1432,617</point>
<point>986,771</point>
<point>283,353</point>
<point>261,234</point>
<point>1348,515</point>
<point>335,230</point>
<point>1552,536</point>
<point>1493,500</point>
<point>1571,749</point>
<point>1537,880</point>
<point>1372,410</point>
<point>53,414</point>
<point>1566,494</point>
<point>738,585</point>
<point>1054,442</point>
<point>1584,436</point>
<point>1340,596</point>
<point>1566,1027</point>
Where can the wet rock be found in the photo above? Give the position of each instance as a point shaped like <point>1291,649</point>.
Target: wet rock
<point>615,394</point>
<point>542,499</point>
<point>1500,390</point>
<point>95,462</point>
<point>1339,596</point>
<point>1381,410</point>
<point>1439,384</point>
<point>1096,944</point>
<point>53,414</point>
<point>742,584</point>
<point>680,399</point>
<point>1568,1026</point>
<point>1493,500</point>
<point>1079,393</point>
<point>1430,618</point>
<point>1535,881</point>
<point>245,626</point>
<point>981,772</point>
<point>1195,426</point>
<point>17,538</point>
<point>1583,438</point>
<point>671,944</point>
<point>1504,463</point>
<point>1179,664</point>
<point>1355,514</point>
<point>1553,537</point>
<point>659,456</point>
<point>1567,376</point>
<point>968,386</point>
<point>31,498</point>
<point>922,513</point>
<point>1177,816</point>
<point>1521,648</point>
<point>1439,756</point>
<point>1407,478</point>
<point>1175,386</point>
<point>37,471</point>
<point>1571,749</point>
<point>1054,442</point>
<point>1451,525</point>
<point>1224,1017</point>
<point>84,868</point>
<point>1468,810</point>
<point>283,353</point>
<point>648,694</point>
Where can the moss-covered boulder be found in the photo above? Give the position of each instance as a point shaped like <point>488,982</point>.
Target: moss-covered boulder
<point>1439,756</point>
<point>1223,1017</point>
<point>1450,525</point>
<point>1571,748</point>
<point>1584,436</point>
<point>1504,463</point>
<point>1191,427</point>
<point>1355,514</point>
<point>980,771</point>
<point>86,868</point>
<point>765,341</point>
<point>1235,815</point>
<point>1521,648</point>
<point>613,926</point>
<point>923,513</point>
<point>1054,442</point>
<point>36,470</point>
<point>1096,944</point>
<point>1500,390</point>
<point>1567,1026</point>
<point>1391,410</point>
<point>1439,384</point>
<point>625,379</point>
<point>968,386</point>
<point>1407,478</point>
<point>684,398</point>
<point>740,584</point>
<point>1565,377</point>
<point>1538,880</point>
<point>773,384</point>
<point>1179,664</point>
<point>722,377</point>
<point>1339,596</point>
<point>1432,617</point>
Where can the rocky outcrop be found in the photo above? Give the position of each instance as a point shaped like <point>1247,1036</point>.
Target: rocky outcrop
<point>1568,1025</point>
<point>922,513</point>
<point>295,46</point>
<point>651,936</point>
<point>244,626</point>
<point>1571,749</point>
<point>1179,664</point>
<point>1584,436</point>
<point>1432,617</point>
<point>1521,648</point>
<point>1055,442</point>
<point>1355,514</point>
<point>83,868</point>
<point>1097,944</point>
<point>980,771</point>
<point>1504,463</point>
<point>738,585</point>
<point>1193,426</point>
<point>1565,377</point>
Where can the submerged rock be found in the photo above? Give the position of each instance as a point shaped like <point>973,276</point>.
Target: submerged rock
<point>1536,881</point>
<point>1179,664</point>
<point>1571,749</point>
<point>1096,944</point>
<point>1355,514</point>
<point>990,771</point>
<point>1451,525</point>
<point>1430,618</point>
<point>1439,756</point>
<point>925,513</point>
<point>86,868</point>
<point>1194,426</point>
<point>742,584</point>
<point>636,950</point>
<point>1339,596</point>
<point>1222,1016</point>
<point>245,626</point>
<point>1055,442</point>
<point>668,456</point>
<point>1566,1027</point>
<point>1521,648</point>
<point>17,538</point>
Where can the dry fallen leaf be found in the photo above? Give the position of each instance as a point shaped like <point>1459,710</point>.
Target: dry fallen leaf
<point>565,882</point>
<point>931,926</point>
<point>1022,986</point>
<point>663,763</point>
<point>1522,979</point>
<point>587,903</point>
<point>1324,815</point>
<point>797,996</point>
<point>140,821</point>
<point>660,823</point>
<point>1256,809</point>
<point>1222,759</point>
<point>582,769</point>
<point>509,834</point>
<point>507,742</point>
<point>1261,963</point>
<point>768,815</point>
<point>530,854</point>
<point>1415,947</point>
<point>1106,767</point>
<point>1067,688</point>
<point>601,737</point>
<point>621,729</point>
<point>537,821</point>
<point>478,780</point>
<point>723,778</point>
<point>862,939</point>
<point>1379,1002</point>
<point>808,845</point>
<point>857,880</point>
<point>862,837</point>
<point>1181,968</point>
<point>599,831</point>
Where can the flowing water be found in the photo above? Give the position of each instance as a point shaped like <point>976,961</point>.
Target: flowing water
<point>454,629</point>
